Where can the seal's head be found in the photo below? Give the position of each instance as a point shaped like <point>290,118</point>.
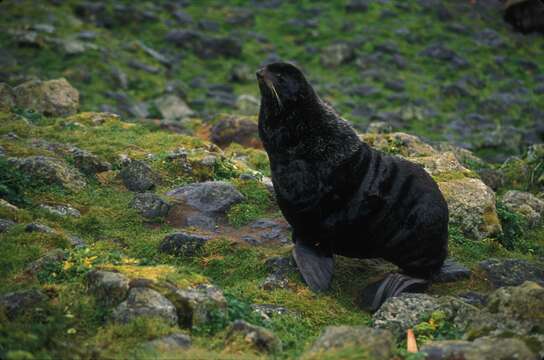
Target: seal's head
<point>283,86</point>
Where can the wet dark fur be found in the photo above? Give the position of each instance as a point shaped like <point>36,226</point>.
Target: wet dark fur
<point>338,192</point>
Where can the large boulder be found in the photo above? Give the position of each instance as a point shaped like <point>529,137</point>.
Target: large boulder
<point>51,171</point>
<point>372,343</point>
<point>526,204</point>
<point>52,98</point>
<point>144,302</point>
<point>202,204</point>
<point>241,130</point>
<point>471,203</point>
<point>487,348</point>
<point>259,338</point>
<point>511,272</point>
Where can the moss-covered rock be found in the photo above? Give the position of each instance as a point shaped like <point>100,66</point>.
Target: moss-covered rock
<point>52,98</point>
<point>258,338</point>
<point>7,98</point>
<point>48,170</point>
<point>235,129</point>
<point>526,204</point>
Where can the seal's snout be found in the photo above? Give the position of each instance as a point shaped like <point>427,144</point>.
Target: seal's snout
<point>261,73</point>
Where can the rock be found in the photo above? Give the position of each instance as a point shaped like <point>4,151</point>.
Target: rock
<point>248,104</point>
<point>241,130</point>
<point>87,162</point>
<point>51,258</point>
<point>202,204</point>
<point>198,306</point>
<point>268,311</point>
<point>357,6</point>
<point>74,47</point>
<point>15,303</point>
<point>144,302</point>
<point>51,171</point>
<point>524,302</point>
<point>526,204</point>
<point>489,38</point>
<point>150,206</point>
<point>399,143</point>
<point>52,98</point>
<point>138,176</point>
<point>407,310</point>
<point>205,46</point>
<point>182,244</point>
<point>6,224</point>
<point>379,127</point>
<point>61,210</point>
<point>511,272</point>
<point>173,108</point>
<point>337,54</point>
<point>487,348</point>
<point>473,298</point>
<point>241,73</point>
<point>110,288</point>
<point>275,281</point>
<point>76,242</point>
<point>472,207</point>
<point>370,343</point>
<point>260,338</point>
<point>241,17</point>
<point>442,53</point>
<point>451,271</point>
<point>164,60</point>
<point>7,98</point>
<point>272,231</point>
<point>34,227</point>
<point>170,343</point>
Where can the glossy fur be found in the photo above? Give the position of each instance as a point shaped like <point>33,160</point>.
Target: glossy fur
<point>339,195</point>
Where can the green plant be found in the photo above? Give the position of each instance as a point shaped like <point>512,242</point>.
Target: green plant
<point>514,226</point>
<point>13,183</point>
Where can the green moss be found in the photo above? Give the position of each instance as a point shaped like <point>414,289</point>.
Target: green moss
<point>257,200</point>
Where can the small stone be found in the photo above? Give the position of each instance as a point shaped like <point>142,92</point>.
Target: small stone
<point>473,298</point>
<point>150,205</point>
<point>511,272</point>
<point>6,224</point>
<point>76,242</point>
<point>375,343</point>
<point>451,271</point>
<point>260,338</point>
<point>110,288</point>
<point>268,311</point>
<point>33,227</point>
<point>248,104</point>
<point>17,302</point>
<point>275,281</point>
<point>171,343</point>
<point>241,73</point>
<point>182,244</point>
<point>138,176</point>
<point>88,163</point>
<point>173,108</point>
<point>52,98</point>
<point>337,54</point>
<point>144,302</point>
<point>61,210</point>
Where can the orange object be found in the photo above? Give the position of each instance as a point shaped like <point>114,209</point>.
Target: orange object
<point>411,344</point>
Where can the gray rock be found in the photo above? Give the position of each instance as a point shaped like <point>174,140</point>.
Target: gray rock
<point>241,73</point>
<point>15,303</point>
<point>138,176</point>
<point>7,98</point>
<point>6,224</point>
<point>173,108</point>
<point>144,302</point>
<point>171,343</point>
<point>61,210</point>
<point>87,162</point>
<point>52,98</point>
<point>138,65</point>
<point>487,348</point>
<point>451,271</point>
<point>511,272</point>
<point>110,288</point>
<point>407,310</point>
<point>150,205</point>
<point>337,54</point>
<point>34,227</point>
<point>182,244</point>
<point>473,298</point>
<point>51,170</point>
<point>373,343</point>
<point>76,242</point>
<point>261,339</point>
<point>442,53</point>
<point>206,47</point>
<point>357,6</point>
<point>164,60</point>
<point>275,281</point>
<point>198,306</point>
<point>52,257</point>
<point>235,129</point>
<point>268,311</point>
<point>247,104</point>
<point>526,204</point>
<point>489,38</point>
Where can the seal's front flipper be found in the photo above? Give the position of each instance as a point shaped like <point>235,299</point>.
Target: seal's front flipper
<point>316,269</point>
<point>375,294</point>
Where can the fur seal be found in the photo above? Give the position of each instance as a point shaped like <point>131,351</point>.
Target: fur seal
<point>343,197</point>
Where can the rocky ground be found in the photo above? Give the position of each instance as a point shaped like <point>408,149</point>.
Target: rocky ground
<point>155,234</point>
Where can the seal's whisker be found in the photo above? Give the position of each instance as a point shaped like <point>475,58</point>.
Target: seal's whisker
<point>270,84</point>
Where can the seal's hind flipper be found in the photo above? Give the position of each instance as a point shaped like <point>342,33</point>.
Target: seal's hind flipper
<point>375,294</point>
<point>316,269</point>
